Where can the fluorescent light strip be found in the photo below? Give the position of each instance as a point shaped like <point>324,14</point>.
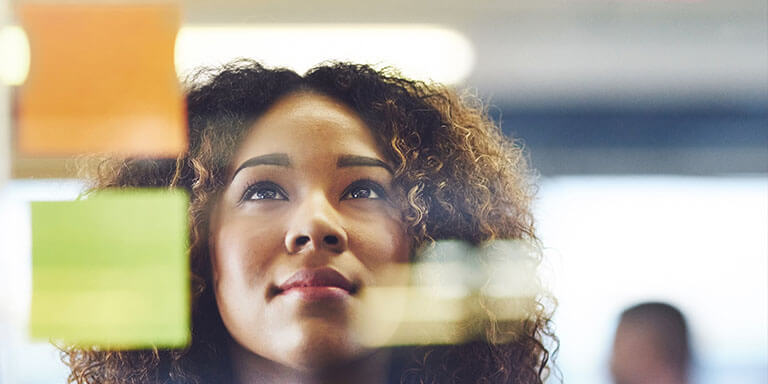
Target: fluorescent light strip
<point>420,51</point>
<point>424,52</point>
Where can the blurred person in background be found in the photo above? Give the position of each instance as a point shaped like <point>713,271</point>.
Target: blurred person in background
<point>651,346</point>
<point>303,189</point>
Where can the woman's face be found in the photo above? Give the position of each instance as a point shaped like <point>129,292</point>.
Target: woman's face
<point>306,222</point>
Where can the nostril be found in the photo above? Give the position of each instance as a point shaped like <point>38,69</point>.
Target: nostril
<point>302,240</point>
<point>331,240</point>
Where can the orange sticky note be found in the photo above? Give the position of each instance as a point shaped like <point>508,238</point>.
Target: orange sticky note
<point>101,80</point>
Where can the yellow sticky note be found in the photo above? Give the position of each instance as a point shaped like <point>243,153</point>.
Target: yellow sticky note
<point>101,80</point>
<point>111,270</point>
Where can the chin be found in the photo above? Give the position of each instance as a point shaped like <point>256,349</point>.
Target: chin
<point>324,349</point>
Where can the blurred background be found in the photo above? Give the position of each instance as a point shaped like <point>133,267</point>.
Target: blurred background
<point>646,120</point>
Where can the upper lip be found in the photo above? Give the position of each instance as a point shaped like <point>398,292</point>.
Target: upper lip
<point>320,277</point>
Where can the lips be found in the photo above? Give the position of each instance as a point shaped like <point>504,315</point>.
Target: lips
<point>317,278</point>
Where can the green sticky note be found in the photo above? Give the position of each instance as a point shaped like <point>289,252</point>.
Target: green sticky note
<point>111,270</point>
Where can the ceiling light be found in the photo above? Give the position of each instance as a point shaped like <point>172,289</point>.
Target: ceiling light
<point>424,52</point>
<point>14,51</point>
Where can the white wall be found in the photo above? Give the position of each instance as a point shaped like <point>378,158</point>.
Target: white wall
<point>698,243</point>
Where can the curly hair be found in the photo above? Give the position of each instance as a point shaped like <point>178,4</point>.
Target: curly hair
<point>459,176</point>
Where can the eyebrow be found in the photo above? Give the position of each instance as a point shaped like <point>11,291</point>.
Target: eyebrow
<point>282,160</point>
<point>361,161</point>
<point>279,159</point>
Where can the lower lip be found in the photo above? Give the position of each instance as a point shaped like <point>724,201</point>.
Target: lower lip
<point>318,293</point>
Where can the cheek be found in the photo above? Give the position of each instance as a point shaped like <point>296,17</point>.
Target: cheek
<point>380,242</point>
<point>242,251</point>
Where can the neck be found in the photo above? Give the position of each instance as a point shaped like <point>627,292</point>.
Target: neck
<point>249,368</point>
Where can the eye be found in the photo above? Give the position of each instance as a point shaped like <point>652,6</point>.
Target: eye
<point>364,189</point>
<point>264,191</point>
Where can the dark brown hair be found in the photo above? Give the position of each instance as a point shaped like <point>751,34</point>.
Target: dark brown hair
<point>459,176</point>
<point>665,328</point>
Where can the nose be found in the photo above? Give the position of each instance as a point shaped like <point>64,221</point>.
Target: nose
<point>316,226</point>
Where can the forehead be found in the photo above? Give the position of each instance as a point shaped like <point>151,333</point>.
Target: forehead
<point>306,125</point>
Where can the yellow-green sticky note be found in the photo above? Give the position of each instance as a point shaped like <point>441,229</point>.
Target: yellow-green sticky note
<point>111,270</point>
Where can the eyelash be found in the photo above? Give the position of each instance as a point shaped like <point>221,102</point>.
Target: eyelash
<point>373,186</point>
<point>268,186</point>
<point>255,188</point>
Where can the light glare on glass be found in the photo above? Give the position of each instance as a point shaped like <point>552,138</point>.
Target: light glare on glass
<point>14,51</point>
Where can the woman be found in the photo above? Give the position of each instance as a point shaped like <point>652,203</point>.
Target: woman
<point>304,191</point>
